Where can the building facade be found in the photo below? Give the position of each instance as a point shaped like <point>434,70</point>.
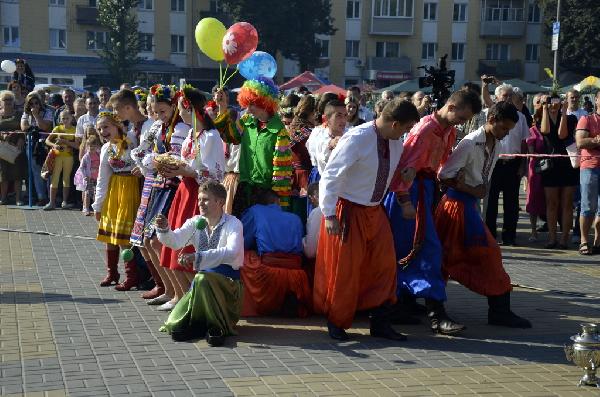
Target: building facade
<point>384,41</point>
<point>381,42</point>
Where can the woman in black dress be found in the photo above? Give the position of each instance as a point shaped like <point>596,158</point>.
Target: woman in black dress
<point>560,178</point>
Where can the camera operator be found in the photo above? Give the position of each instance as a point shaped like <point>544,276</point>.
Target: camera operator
<point>422,102</point>
<point>507,174</point>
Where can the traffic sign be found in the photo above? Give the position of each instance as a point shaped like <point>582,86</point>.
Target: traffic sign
<point>555,34</point>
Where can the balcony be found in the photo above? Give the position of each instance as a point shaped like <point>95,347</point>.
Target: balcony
<point>393,26</point>
<point>502,22</point>
<point>502,69</point>
<point>87,16</point>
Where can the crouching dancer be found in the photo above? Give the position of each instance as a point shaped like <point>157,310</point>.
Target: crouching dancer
<point>471,254</point>
<point>212,305</point>
<point>356,265</point>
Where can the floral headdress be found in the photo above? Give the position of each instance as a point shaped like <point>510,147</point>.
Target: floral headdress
<point>123,142</point>
<point>164,93</point>
<point>261,92</point>
<point>112,116</point>
<point>141,95</point>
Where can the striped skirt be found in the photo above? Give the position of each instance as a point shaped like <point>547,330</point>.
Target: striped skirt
<point>137,234</point>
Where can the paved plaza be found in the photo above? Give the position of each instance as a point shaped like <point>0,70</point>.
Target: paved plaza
<point>61,334</point>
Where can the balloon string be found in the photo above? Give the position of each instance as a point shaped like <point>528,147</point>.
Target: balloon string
<point>230,76</point>
<point>220,75</point>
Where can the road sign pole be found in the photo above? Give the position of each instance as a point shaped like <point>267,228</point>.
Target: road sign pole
<point>556,49</point>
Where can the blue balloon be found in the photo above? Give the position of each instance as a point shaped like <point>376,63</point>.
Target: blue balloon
<point>259,64</point>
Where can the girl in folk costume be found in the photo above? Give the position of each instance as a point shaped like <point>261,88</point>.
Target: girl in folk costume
<point>203,160</point>
<point>165,136</point>
<point>300,129</point>
<point>117,198</point>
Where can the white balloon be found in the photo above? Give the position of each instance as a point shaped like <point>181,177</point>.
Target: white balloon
<point>8,66</point>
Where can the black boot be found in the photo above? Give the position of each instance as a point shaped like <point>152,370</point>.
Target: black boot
<point>336,332</point>
<point>409,301</point>
<point>381,327</point>
<point>440,322</point>
<point>400,314</point>
<point>499,313</point>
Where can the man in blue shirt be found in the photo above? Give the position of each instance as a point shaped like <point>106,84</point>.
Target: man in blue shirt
<point>274,281</point>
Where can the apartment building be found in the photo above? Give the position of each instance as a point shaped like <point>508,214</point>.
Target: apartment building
<point>381,42</point>
<point>60,39</point>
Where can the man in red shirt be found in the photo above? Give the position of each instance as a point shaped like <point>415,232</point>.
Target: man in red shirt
<point>588,141</point>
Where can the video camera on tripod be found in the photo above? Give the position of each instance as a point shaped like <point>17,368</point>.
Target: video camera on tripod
<point>440,79</point>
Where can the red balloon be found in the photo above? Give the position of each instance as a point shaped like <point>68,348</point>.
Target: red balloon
<point>239,42</point>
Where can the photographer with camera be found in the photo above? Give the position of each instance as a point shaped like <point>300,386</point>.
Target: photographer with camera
<point>422,102</point>
<point>507,174</point>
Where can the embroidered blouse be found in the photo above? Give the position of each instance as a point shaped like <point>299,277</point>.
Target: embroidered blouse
<point>152,144</point>
<point>111,162</point>
<point>205,156</point>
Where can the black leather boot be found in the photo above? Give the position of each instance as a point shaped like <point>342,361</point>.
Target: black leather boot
<point>336,332</point>
<point>381,327</point>
<point>499,313</point>
<point>409,302</point>
<point>440,322</point>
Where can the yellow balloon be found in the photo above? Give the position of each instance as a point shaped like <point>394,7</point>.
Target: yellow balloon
<point>209,37</point>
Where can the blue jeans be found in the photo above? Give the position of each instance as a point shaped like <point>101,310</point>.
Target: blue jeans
<point>590,199</point>
<point>41,186</point>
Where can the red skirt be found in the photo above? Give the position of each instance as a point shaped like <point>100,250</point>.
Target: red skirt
<point>268,279</point>
<point>184,206</point>
<point>475,264</point>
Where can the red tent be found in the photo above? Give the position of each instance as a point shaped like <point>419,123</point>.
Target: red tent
<point>307,79</point>
<point>330,88</point>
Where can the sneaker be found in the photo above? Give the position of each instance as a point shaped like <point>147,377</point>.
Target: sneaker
<point>66,206</point>
<point>159,300</point>
<point>48,207</point>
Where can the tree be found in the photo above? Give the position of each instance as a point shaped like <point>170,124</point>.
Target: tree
<point>579,45</point>
<point>120,54</point>
<point>288,27</point>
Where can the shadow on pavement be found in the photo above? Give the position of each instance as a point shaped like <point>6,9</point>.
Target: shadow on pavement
<point>31,298</point>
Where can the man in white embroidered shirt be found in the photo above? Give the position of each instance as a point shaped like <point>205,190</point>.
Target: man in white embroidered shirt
<point>356,265</point>
<point>212,305</point>
<point>471,254</point>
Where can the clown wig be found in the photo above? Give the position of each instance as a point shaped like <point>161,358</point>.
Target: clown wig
<point>261,92</point>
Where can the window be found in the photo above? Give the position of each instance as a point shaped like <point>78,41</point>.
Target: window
<point>534,14</point>
<point>60,3</point>
<point>429,11</point>
<point>428,50</point>
<point>460,12</point>
<point>393,8</point>
<point>352,9</point>
<point>178,5</point>
<point>352,48</point>
<point>387,49</point>
<point>146,5</point>
<point>177,44</point>
<point>458,51</point>
<point>58,38</point>
<point>11,36</point>
<point>503,10</point>
<point>93,3</point>
<point>146,42</point>
<point>324,45</point>
<point>214,6</point>
<point>532,53</point>
<point>96,40</point>
<point>496,52</point>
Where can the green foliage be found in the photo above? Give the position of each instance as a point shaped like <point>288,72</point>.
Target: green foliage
<point>120,54</point>
<point>579,45</point>
<point>286,26</point>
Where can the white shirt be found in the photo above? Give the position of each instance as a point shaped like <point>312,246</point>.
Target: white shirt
<point>144,153</point>
<point>82,124</point>
<point>313,228</point>
<point>579,113</point>
<point>352,170</point>
<point>472,155</point>
<point>322,151</point>
<point>511,144</point>
<point>317,134</point>
<point>229,250</point>
<point>206,157</point>
<point>233,162</point>
<point>107,169</point>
